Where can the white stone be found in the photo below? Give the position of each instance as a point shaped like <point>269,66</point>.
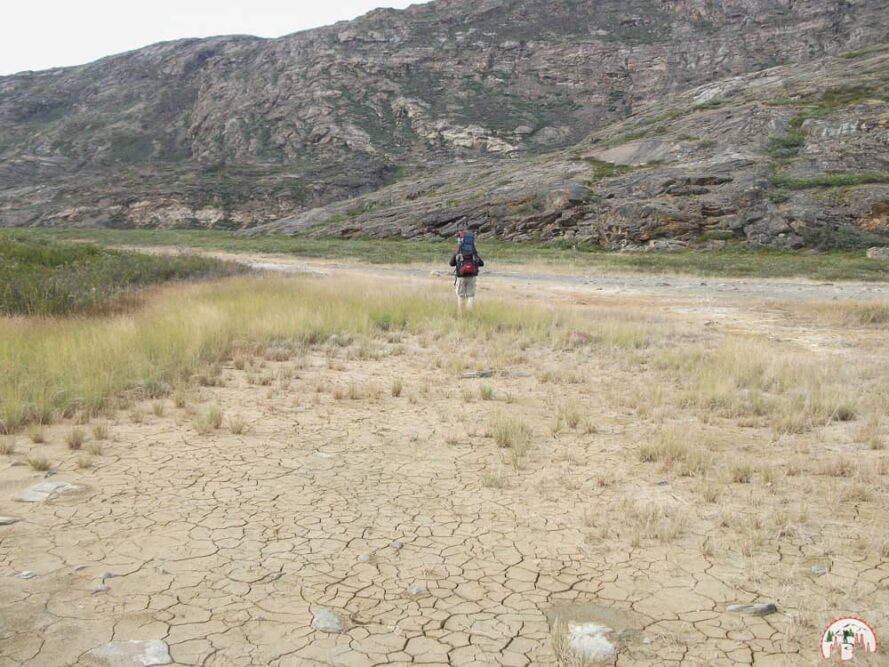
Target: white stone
<point>326,620</point>
<point>416,589</point>
<point>132,653</point>
<point>589,641</point>
<point>43,491</point>
<point>8,520</point>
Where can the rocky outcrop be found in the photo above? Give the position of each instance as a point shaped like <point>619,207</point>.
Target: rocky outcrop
<point>751,168</point>
<point>237,131</point>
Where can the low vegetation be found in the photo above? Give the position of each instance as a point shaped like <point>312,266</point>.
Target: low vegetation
<point>829,180</point>
<point>733,260</point>
<point>786,146</point>
<point>42,276</point>
<point>64,366</point>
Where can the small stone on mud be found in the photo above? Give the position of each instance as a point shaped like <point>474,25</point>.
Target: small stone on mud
<point>820,569</point>
<point>43,491</point>
<point>416,589</point>
<point>8,520</point>
<point>26,574</point>
<point>133,652</point>
<point>469,375</point>
<point>364,558</point>
<point>760,609</point>
<point>326,620</point>
<point>101,588</point>
<point>589,642</point>
<point>397,544</point>
<point>108,575</point>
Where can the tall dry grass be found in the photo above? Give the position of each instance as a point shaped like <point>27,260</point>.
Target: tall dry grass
<point>793,390</point>
<point>54,366</point>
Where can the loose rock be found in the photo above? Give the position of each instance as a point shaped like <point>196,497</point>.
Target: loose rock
<point>325,620</point>
<point>759,609</point>
<point>44,491</point>
<point>8,520</point>
<point>589,642</point>
<point>144,653</point>
<point>878,252</point>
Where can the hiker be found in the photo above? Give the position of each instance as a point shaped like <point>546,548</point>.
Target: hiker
<point>466,263</point>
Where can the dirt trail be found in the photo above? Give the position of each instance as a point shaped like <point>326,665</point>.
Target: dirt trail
<point>346,523</point>
<point>583,281</point>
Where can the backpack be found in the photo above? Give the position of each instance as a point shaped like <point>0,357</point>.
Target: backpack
<point>467,259</point>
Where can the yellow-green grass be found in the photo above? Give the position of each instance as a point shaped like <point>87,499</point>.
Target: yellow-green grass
<point>54,366</point>
<point>858,314</point>
<point>795,391</point>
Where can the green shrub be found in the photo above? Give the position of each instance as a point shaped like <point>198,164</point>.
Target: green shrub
<point>40,276</point>
<point>786,146</point>
<point>603,169</point>
<point>829,180</point>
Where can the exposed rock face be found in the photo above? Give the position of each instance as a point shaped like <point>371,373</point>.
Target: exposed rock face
<point>747,168</point>
<point>236,131</point>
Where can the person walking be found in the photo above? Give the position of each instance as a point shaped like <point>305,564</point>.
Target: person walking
<point>466,262</point>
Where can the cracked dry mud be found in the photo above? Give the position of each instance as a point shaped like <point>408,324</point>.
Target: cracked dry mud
<point>400,519</point>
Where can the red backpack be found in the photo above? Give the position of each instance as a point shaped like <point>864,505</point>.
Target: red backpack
<point>467,258</point>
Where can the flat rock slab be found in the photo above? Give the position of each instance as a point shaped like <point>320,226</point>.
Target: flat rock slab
<point>590,642</point>
<point>760,609</point>
<point>593,633</point>
<point>44,491</point>
<point>326,620</point>
<point>132,653</point>
<point>8,520</point>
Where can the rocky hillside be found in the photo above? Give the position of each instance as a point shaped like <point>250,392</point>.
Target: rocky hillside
<point>543,101</point>
<point>792,156</point>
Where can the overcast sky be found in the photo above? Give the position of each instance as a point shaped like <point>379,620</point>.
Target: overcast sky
<point>39,35</point>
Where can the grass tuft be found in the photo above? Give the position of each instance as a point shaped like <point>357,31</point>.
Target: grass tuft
<point>38,463</point>
<point>36,434</point>
<point>679,450</point>
<point>75,438</point>
<point>237,424</point>
<point>7,445</point>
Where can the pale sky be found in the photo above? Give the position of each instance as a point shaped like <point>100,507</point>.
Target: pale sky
<point>39,35</point>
